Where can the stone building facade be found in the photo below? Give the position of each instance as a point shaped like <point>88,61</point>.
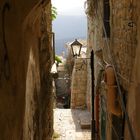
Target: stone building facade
<point>25,61</point>
<point>119,47</point>
<point>77,69</point>
<point>78,84</point>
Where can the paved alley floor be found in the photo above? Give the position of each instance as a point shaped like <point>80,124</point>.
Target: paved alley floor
<point>67,125</point>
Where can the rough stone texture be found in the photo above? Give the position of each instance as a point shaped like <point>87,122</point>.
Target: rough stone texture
<point>125,34</point>
<point>90,17</point>
<point>134,91</point>
<point>78,86</point>
<point>124,50</point>
<point>85,119</point>
<point>95,42</point>
<point>45,57</point>
<point>88,90</point>
<point>25,86</point>
<point>123,39</point>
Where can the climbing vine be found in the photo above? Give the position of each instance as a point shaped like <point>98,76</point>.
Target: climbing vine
<point>54,12</point>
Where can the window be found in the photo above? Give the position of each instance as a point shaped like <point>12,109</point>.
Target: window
<point>106,17</point>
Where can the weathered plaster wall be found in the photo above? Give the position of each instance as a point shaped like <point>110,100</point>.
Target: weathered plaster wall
<point>25,84</point>
<point>123,38</point>
<point>124,50</point>
<point>31,126</point>
<point>90,43</point>
<point>97,42</point>
<point>45,59</point>
<point>133,105</point>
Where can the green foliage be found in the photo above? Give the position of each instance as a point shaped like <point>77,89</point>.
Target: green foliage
<point>55,135</point>
<point>54,12</point>
<point>58,59</point>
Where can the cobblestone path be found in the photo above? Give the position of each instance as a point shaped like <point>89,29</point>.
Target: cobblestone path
<point>66,125</point>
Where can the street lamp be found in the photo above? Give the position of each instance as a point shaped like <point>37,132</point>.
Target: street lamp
<point>76,48</point>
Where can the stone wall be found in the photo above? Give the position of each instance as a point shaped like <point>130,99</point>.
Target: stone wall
<point>45,57</point>
<point>124,48</point>
<point>90,18</point>
<point>123,39</point>
<point>121,51</point>
<point>78,86</point>
<point>25,61</point>
<point>133,105</point>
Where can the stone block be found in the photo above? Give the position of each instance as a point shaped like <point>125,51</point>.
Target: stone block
<point>85,120</point>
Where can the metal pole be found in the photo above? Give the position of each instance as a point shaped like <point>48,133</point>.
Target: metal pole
<point>92,92</point>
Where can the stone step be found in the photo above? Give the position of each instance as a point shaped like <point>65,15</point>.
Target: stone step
<point>85,120</point>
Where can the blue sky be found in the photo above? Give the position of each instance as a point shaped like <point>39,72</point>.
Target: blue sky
<point>69,7</point>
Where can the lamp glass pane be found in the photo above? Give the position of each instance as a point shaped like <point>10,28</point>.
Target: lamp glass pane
<point>76,49</point>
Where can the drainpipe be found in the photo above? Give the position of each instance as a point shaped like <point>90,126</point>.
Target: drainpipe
<point>112,95</point>
<point>92,92</point>
<point>97,114</point>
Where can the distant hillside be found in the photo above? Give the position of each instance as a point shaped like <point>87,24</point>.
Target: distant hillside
<point>67,28</point>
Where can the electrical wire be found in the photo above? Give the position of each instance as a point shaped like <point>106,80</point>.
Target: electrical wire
<point>115,72</point>
<point>113,128</point>
<point>109,120</point>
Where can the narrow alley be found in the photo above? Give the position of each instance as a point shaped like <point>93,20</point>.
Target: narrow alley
<point>69,71</point>
<point>67,124</point>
